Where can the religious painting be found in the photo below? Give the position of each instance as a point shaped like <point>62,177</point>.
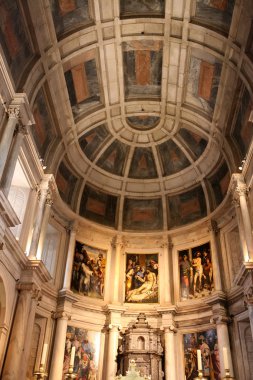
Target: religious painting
<point>99,206</point>
<point>142,214</point>
<point>66,182</point>
<point>87,351</point>
<point>88,273</point>
<point>82,83</point>
<point>207,343</point>
<point>196,272</point>
<point>143,123</point>
<point>142,62</point>
<point>214,13</point>
<point>14,38</point>
<point>203,81</point>
<point>69,15</point>
<point>141,280</point>
<point>186,207</point>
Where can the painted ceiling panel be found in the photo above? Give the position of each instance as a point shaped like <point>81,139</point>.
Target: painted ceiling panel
<point>83,86</point>
<point>143,164</point>
<point>69,15</point>
<point>142,214</point>
<point>186,207</point>
<point>114,158</point>
<point>43,131</point>
<point>143,122</point>
<point>14,38</point>
<point>98,206</point>
<point>92,141</point>
<point>66,182</point>
<point>214,13</point>
<point>195,143</point>
<point>220,182</point>
<point>142,68</point>
<point>142,7</point>
<point>172,158</point>
<point>203,81</point>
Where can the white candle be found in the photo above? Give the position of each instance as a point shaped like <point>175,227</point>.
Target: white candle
<point>72,357</point>
<point>44,354</point>
<point>199,360</point>
<point>225,358</point>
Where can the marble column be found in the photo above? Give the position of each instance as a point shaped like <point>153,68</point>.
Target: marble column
<point>19,134</point>
<point>240,196</point>
<point>112,352</point>
<point>213,229</point>
<point>241,231</point>
<point>170,358</point>
<point>6,139</point>
<point>44,224</point>
<point>70,257</point>
<point>43,196</point>
<point>59,346</point>
<point>117,247</point>
<point>166,287</point>
<point>18,352</point>
<point>223,341</point>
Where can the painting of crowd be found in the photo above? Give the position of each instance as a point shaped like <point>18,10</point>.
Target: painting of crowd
<point>86,359</point>
<point>88,272</point>
<point>207,343</point>
<point>142,278</point>
<point>196,272</point>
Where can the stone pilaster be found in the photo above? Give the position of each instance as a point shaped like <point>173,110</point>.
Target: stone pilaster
<point>213,230</point>
<point>72,231</point>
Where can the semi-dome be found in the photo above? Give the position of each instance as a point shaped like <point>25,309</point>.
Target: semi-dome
<point>140,113</point>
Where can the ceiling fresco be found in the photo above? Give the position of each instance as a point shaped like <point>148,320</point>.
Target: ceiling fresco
<point>142,68</point>
<point>69,15</point>
<point>14,38</point>
<point>215,13</point>
<point>142,108</point>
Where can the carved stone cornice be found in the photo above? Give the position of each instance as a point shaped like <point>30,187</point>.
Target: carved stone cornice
<point>212,226</point>
<point>35,271</point>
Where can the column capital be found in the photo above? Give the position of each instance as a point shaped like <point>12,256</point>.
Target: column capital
<point>169,329</point>
<point>61,315</point>
<point>30,287</point>
<point>49,200</point>
<point>118,241</point>
<point>220,320</point>
<point>13,112</point>
<point>72,227</point>
<point>114,327</point>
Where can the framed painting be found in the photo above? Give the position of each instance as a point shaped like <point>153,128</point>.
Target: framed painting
<point>88,271</point>
<point>196,272</point>
<point>207,343</point>
<point>87,351</point>
<point>141,279</point>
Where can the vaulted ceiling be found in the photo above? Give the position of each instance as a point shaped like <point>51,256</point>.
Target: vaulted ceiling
<point>141,107</point>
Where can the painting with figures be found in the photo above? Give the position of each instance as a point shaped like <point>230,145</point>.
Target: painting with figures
<point>207,343</point>
<point>87,349</point>
<point>196,272</point>
<point>141,278</point>
<point>88,271</point>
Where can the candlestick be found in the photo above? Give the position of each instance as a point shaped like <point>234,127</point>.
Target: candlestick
<point>200,375</point>
<point>72,357</point>
<point>70,374</point>
<point>41,374</point>
<point>44,354</point>
<point>225,358</point>
<point>199,360</point>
